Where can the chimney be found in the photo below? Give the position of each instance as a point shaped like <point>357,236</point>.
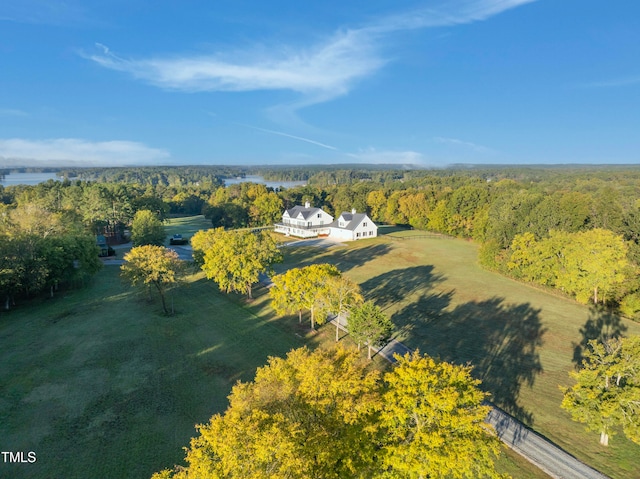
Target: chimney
<point>353,211</point>
<point>307,204</point>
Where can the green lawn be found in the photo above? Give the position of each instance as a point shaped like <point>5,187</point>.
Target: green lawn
<point>520,339</point>
<point>99,384</point>
<point>187,226</point>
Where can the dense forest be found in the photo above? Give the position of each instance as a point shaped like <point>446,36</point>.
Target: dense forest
<point>575,229</point>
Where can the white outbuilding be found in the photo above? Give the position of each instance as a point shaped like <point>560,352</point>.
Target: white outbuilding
<point>353,226</point>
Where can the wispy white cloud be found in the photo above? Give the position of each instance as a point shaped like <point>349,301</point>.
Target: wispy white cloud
<point>372,155</point>
<point>12,112</point>
<point>445,13</point>
<point>325,70</point>
<point>287,135</point>
<point>464,144</point>
<point>72,151</point>
<point>320,72</point>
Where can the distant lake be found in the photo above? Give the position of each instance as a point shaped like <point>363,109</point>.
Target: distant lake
<point>27,178</point>
<point>35,178</point>
<point>260,179</point>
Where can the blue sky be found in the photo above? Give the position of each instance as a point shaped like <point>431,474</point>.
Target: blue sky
<point>286,82</point>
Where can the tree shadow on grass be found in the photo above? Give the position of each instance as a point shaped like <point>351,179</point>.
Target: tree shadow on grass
<point>500,340</point>
<point>396,285</point>
<point>348,258</point>
<point>343,258</point>
<point>603,324</point>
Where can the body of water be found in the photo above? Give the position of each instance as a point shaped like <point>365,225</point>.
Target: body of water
<point>35,178</point>
<point>26,178</point>
<point>260,179</point>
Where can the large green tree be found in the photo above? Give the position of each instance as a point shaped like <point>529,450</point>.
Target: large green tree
<point>236,259</point>
<point>266,209</point>
<point>607,390</point>
<point>39,248</point>
<point>368,324</point>
<point>146,228</point>
<point>593,264</point>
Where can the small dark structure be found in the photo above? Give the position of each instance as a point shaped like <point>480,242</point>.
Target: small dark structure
<point>105,249</point>
<point>177,239</point>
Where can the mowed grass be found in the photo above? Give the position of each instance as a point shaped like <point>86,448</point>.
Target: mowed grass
<point>98,383</point>
<point>521,340</point>
<point>187,226</point>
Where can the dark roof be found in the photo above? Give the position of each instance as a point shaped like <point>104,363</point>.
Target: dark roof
<point>306,212</point>
<point>353,220</point>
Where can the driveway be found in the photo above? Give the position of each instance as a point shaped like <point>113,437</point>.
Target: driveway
<point>315,242</point>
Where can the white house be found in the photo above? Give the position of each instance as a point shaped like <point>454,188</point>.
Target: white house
<point>304,222</point>
<point>353,226</point>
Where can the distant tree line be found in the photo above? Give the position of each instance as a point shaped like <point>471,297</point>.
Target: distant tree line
<point>525,219</point>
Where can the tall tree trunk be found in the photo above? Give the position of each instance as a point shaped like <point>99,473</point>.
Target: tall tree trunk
<point>312,319</point>
<point>249,291</point>
<point>161,291</point>
<point>595,295</point>
<point>369,351</point>
<point>164,303</point>
<point>337,328</point>
<point>7,303</point>
<point>300,316</point>
<point>604,438</point>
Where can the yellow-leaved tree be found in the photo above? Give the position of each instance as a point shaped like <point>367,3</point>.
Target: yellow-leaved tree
<point>303,289</point>
<point>606,395</point>
<point>323,415</point>
<point>155,266</point>
<point>235,259</point>
<point>433,418</point>
<point>309,415</point>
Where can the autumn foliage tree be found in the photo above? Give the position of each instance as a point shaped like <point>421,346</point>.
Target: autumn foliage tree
<point>303,289</point>
<point>307,415</point>
<point>339,295</point>
<point>589,264</point>
<point>322,414</point>
<point>235,259</point>
<point>433,418</point>
<point>152,266</point>
<point>607,390</point>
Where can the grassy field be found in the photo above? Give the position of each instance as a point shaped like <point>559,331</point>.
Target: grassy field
<point>98,383</point>
<point>522,341</point>
<point>186,226</point>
